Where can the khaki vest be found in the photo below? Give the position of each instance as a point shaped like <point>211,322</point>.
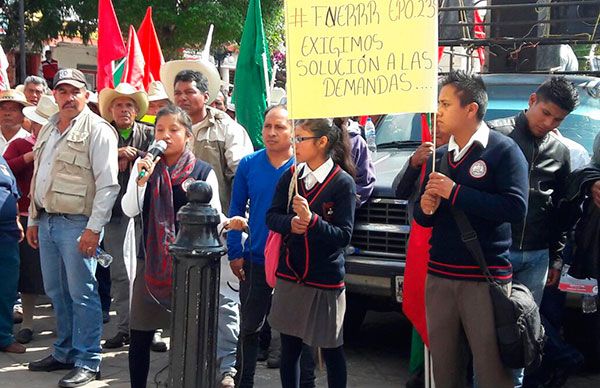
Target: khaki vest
<point>72,184</point>
<point>209,146</point>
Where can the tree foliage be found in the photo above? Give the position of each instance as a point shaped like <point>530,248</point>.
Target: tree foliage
<point>185,23</point>
<point>48,19</point>
<point>179,23</point>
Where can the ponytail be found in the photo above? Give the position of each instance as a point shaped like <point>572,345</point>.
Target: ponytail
<point>340,150</point>
<point>338,142</point>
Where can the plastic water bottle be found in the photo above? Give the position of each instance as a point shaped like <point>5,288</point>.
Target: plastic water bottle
<point>589,304</point>
<point>102,257</point>
<point>370,135</point>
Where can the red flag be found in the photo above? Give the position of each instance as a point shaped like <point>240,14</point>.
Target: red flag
<point>135,63</point>
<point>150,48</point>
<point>479,32</point>
<point>440,53</point>
<point>417,258</point>
<point>110,43</point>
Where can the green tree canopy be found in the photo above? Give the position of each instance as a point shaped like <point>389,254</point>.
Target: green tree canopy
<point>179,24</point>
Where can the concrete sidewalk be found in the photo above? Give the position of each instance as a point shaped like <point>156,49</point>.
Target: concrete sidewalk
<point>365,368</point>
<point>378,357</point>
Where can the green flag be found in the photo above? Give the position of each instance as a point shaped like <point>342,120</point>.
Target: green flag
<point>250,91</point>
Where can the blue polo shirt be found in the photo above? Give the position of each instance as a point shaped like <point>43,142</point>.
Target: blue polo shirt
<point>9,195</point>
<point>254,184</point>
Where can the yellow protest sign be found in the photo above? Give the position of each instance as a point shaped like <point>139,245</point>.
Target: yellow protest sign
<point>352,57</point>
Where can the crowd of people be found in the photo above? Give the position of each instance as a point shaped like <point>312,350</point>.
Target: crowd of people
<point>77,175</point>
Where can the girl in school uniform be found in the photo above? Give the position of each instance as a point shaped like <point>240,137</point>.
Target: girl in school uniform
<point>309,300</point>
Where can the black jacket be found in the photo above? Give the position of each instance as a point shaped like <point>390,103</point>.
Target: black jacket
<point>549,166</point>
<point>580,208</point>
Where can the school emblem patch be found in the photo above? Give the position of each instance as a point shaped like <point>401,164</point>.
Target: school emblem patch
<point>478,169</point>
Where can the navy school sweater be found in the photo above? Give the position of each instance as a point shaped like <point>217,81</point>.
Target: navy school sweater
<point>315,258</point>
<point>491,188</point>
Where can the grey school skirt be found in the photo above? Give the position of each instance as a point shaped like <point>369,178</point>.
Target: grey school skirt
<point>146,313</point>
<point>313,314</point>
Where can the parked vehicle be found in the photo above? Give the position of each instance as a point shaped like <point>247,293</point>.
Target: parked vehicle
<point>376,260</point>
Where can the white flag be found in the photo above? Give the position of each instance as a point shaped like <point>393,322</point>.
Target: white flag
<point>4,84</point>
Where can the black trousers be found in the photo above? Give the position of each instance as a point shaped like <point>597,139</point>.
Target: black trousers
<point>255,300</point>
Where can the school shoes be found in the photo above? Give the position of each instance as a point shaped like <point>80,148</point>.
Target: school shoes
<point>24,336</point>
<point>78,377</point>
<point>118,341</point>
<point>15,347</point>
<point>158,345</point>
<point>49,364</point>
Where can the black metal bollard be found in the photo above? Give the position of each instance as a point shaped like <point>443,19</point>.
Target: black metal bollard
<point>197,252</point>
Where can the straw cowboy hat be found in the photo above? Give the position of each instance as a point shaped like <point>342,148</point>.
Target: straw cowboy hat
<point>169,70</point>
<point>20,88</point>
<point>107,96</point>
<point>45,108</point>
<point>13,96</point>
<point>157,92</point>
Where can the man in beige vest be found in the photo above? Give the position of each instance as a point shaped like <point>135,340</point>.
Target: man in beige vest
<point>73,189</point>
<point>218,140</point>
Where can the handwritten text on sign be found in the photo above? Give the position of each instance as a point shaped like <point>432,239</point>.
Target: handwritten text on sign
<point>347,58</point>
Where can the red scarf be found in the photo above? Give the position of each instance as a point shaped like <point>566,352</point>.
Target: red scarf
<point>161,226</point>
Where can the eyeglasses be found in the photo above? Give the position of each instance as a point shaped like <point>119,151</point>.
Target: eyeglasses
<point>300,139</point>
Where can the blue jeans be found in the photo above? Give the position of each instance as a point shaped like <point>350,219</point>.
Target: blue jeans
<point>69,280</point>
<point>9,277</point>
<point>228,333</point>
<point>530,268</point>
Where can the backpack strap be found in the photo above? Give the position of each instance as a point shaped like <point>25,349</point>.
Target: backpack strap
<point>467,233</point>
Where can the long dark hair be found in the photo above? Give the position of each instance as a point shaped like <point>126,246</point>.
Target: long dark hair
<point>338,144</point>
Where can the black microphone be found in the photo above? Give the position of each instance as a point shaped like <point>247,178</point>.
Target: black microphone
<point>156,150</point>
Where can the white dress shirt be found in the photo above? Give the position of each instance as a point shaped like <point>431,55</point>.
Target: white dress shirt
<point>311,177</point>
<point>21,133</point>
<point>481,136</point>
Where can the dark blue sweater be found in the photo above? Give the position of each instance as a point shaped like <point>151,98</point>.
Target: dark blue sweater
<point>315,258</point>
<point>491,188</point>
<point>254,183</point>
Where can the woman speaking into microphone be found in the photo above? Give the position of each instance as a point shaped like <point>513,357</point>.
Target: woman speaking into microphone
<point>157,195</point>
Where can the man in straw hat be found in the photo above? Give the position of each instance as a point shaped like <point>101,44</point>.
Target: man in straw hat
<point>219,141</point>
<point>11,117</point>
<point>121,107</point>
<point>73,190</point>
<point>19,156</point>
<point>158,99</point>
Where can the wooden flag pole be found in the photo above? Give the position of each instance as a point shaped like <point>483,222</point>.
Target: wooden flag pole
<point>428,373</point>
<point>295,174</point>
<point>433,135</point>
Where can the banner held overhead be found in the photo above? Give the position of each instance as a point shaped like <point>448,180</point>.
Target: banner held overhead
<point>350,58</point>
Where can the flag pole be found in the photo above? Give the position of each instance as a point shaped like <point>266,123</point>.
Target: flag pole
<point>295,174</point>
<point>267,80</point>
<point>434,141</point>
<point>206,51</point>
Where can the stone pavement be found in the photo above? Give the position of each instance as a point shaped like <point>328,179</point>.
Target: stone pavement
<point>115,373</point>
<point>377,358</point>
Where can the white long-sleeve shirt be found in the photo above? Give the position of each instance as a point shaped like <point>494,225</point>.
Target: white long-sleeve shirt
<point>133,200</point>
